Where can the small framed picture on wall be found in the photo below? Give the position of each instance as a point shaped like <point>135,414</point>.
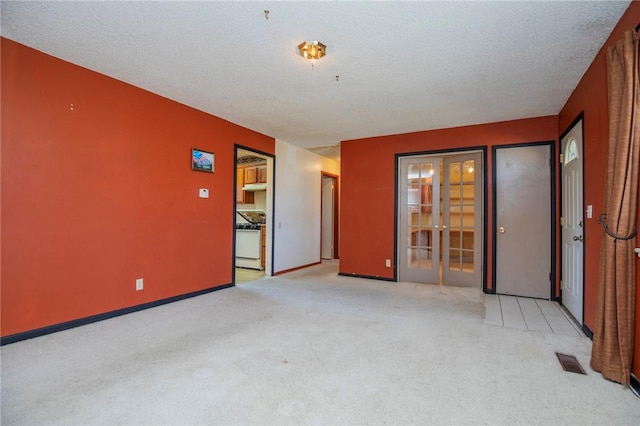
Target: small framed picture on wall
<point>202,161</point>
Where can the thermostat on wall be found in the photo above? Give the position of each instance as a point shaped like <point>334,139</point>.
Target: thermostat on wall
<point>204,193</point>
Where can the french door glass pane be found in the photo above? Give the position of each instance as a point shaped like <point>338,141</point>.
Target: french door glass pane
<point>454,239</point>
<point>426,172</point>
<point>468,218</point>
<point>467,260</point>
<point>467,240</point>
<point>412,256</point>
<point>461,215</point>
<point>454,172</point>
<point>419,211</point>
<point>413,194</point>
<point>413,175</point>
<point>420,258</point>
<point>455,218</point>
<point>469,169</point>
<point>454,260</point>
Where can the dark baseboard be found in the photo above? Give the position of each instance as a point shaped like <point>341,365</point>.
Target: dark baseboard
<point>297,268</point>
<point>587,332</point>
<point>369,277</point>
<point>634,384</point>
<point>13,338</point>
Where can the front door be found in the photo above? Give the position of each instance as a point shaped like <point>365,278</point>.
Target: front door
<point>572,221</point>
<point>440,219</point>
<point>522,214</point>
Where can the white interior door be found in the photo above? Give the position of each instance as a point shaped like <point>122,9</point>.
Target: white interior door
<point>327,243</point>
<point>418,210</point>
<point>523,221</point>
<point>572,222</point>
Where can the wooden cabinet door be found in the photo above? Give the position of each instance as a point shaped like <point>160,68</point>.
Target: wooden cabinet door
<point>262,174</point>
<point>250,175</point>
<point>240,184</point>
<point>242,197</point>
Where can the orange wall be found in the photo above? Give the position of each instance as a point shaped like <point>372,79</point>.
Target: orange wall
<point>367,175</point>
<point>590,96</point>
<point>100,193</point>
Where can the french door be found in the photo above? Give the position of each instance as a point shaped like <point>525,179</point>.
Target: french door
<point>440,219</point>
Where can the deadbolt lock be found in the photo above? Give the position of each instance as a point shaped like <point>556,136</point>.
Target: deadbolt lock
<point>501,230</point>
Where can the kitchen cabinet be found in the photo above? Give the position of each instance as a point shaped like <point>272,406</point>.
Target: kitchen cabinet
<point>262,174</point>
<point>250,175</point>
<point>255,174</point>
<point>242,197</point>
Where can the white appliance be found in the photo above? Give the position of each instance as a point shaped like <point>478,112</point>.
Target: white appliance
<point>249,225</point>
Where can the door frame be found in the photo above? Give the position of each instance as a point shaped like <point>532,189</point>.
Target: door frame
<point>485,208</point>
<point>336,222</point>
<point>270,178</point>
<point>562,136</point>
<point>553,218</point>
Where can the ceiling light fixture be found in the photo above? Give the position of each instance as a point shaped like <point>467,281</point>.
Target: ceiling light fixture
<point>312,50</point>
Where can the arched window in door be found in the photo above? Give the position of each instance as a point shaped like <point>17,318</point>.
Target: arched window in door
<point>570,151</point>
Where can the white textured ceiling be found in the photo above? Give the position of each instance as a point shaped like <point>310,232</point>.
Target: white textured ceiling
<point>403,66</point>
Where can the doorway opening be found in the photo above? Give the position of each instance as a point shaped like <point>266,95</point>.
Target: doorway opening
<point>253,214</point>
<point>441,218</point>
<point>329,217</point>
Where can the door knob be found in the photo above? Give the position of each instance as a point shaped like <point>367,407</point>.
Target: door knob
<point>444,226</point>
<point>435,226</point>
<point>501,230</point>
<point>576,238</point>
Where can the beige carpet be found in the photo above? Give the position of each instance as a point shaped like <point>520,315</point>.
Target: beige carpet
<point>308,347</point>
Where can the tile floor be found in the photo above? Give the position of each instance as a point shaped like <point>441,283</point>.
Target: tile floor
<point>244,275</point>
<point>529,314</point>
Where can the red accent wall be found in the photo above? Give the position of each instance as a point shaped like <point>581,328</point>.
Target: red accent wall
<point>97,191</point>
<point>591,97</point>
<point>368,185</point>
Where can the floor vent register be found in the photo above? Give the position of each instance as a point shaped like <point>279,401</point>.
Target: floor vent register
<point>570,363</point>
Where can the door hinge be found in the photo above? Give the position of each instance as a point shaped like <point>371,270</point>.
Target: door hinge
<point>561,158</point>
<point>561,285</point>
<point>561,221</point>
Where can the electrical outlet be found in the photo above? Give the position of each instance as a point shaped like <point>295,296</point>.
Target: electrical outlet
<point>139,284</point>
<point>387,263</point>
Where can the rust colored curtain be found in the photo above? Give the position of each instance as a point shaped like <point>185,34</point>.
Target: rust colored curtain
<point>613,334</point>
